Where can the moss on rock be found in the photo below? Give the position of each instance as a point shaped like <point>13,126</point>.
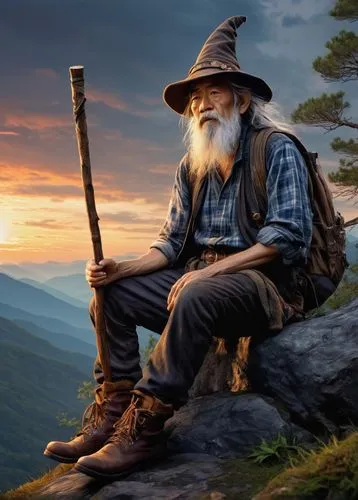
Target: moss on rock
<point>330,473</point>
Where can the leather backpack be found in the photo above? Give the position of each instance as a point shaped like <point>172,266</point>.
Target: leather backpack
<point>326,256</point>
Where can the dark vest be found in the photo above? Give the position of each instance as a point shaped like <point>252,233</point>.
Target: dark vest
<point>288,279</point>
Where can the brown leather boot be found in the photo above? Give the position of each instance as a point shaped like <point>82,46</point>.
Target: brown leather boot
<point>137,440</point>
<point>111,400</point>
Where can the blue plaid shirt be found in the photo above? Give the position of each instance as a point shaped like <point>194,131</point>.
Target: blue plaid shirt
<point>288,222</point>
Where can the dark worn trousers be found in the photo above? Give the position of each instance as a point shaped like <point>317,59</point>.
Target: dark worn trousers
<point>223,306</point>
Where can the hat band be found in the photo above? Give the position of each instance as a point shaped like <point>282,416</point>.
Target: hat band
<point>212,65</point>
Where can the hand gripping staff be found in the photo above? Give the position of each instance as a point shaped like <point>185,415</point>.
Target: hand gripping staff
<point>78,100</point>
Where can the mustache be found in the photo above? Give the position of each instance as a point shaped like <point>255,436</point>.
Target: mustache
<point>210,115</point>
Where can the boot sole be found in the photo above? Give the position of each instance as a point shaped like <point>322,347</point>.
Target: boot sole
<point>59,458</point>
<point>120,475</point>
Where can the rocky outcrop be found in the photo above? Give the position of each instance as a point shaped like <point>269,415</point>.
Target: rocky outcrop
<point>306,377</point>
<point>228,425</point>
<point>312,369</point>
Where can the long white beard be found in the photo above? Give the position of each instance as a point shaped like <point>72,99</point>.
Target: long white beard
<point>213,142</point>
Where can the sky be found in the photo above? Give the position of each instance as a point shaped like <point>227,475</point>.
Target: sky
<point>131,49</point>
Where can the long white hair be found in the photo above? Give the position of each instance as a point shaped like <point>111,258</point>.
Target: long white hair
<point>263,114</point>
<point>206,149</point>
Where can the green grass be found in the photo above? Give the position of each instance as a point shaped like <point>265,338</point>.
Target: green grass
<point>279,450</point>
<point>31,488</point>
<point>328,473</point>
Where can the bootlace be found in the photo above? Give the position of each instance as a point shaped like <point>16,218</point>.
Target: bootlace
<point>128,427</point>
<point>92,418</point>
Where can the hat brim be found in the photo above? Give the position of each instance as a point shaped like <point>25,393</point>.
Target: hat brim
<point>176,95</point>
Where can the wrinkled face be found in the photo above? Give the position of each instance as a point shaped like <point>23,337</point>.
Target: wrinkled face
<point>209,98</point>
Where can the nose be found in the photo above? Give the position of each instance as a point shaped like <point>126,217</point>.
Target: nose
<point>205,103</point>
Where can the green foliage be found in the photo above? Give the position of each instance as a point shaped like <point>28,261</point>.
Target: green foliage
<point>86,390</point>
<point>65,421</point>
<point>152,342</point>
<point>349,148</point>
<point>345,293</point>
<point>327,110</point>
<point>346,178</point>
<point>345,9</point>
<point>341,63</point>
<point>330,472</point>
<point>278,450</point>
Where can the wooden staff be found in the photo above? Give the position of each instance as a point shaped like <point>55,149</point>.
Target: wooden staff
<point>78,100</point>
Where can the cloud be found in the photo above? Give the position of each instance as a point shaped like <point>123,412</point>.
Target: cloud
<point>149,100</point>
<point>47,73</point>
<point>48,224</point>
<point>127,217</point>
<point>163,169</point>
<point>288,21</point>
<point>67,191</point>
<point>37,121</point>
<point>107,98</point>
<point>9,133</point>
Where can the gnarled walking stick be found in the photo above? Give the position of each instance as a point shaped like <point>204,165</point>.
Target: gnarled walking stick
<point>78,100</point>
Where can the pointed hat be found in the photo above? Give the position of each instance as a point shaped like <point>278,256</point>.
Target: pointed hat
<point>217,57</point>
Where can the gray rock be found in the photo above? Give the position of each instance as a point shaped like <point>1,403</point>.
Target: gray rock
<point>228,425</point>
<point>181,476</point>
<point>312,368</point>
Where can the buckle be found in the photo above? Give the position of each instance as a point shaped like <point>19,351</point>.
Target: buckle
<point>209,256</point>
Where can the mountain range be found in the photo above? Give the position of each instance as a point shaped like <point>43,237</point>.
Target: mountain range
<point>37,301</point>
<point>46,353</point>
<point>43,271</point>
<point>38,382</point>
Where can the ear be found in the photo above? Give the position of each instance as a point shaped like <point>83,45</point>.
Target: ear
<point>245,99</point>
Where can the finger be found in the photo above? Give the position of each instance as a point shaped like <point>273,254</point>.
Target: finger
<point>97,274</point>
<point>95,267</point>
<point>173,290</point>
<point>178,287</point>
<point>170,295</point>
<point>96,280</point>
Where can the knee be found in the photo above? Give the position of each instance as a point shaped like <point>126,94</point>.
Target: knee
<point>193,293</point>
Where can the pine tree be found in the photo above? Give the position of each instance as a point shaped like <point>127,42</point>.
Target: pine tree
<point>329,111</point>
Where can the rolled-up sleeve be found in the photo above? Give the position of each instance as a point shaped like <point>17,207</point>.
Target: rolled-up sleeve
<point>288,222</point>
<point>172,234</point>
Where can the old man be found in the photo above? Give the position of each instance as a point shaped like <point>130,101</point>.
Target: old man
<point>203,276</point>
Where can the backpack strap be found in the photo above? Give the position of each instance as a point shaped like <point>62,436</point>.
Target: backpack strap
<point>317,188</point>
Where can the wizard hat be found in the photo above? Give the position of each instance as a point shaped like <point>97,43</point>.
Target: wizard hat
<point>217,57</point>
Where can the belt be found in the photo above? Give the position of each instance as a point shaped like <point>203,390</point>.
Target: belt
<point>209,255</point>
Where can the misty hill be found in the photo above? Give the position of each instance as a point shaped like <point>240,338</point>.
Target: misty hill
<point>42,271</point>
<point>56,293</point>
<point>59,340</point>
<point>16,335</point>
<point>59,333</point>
<point>28,298</point>
<point>74,285</point>
<point>50,324</point>
<point>34,390</point>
